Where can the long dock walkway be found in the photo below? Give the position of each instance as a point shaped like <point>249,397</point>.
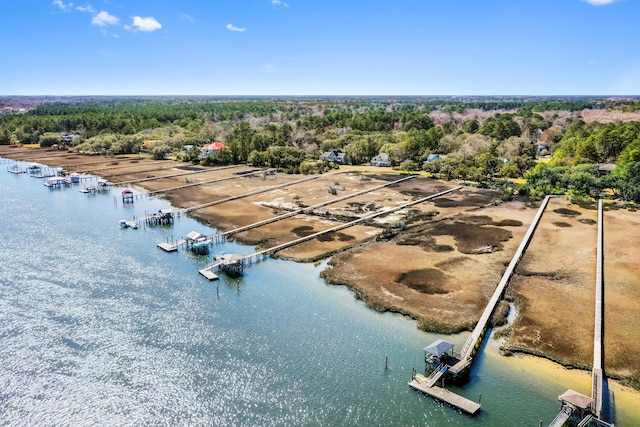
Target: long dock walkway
<point>119,166</point>
<point>274,249</point>
<point>210,181</point>
<point>420,383</point>
<point>308,208</point>
<point>596,389</point>
<point>169,247</point>
<point>251,193</point>
<point>340,227</point>
<point>152,178</point>
<point>154,168</point>
<point>593,411</point>
<point>561,418</point>
<point>473,341</point>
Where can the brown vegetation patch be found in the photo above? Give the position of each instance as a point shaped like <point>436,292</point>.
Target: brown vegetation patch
<point>452,262</point>
<point>303,231</point>
<point>508,223</point>
<point>472,238</point>
<point>478,219</point>
<point>567,212</point>
<point>426,242</point>
<point>426,280</point>
<point>588,221</point>
<point>330,237</point>
<point>476,198</point>
<point>562,224</point>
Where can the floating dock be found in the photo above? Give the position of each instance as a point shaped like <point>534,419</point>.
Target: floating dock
<point>208,274</point>
<point>168,247</point>
<point>420,383</point>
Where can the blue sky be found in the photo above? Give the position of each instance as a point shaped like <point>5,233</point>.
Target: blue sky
<point>320,47</point>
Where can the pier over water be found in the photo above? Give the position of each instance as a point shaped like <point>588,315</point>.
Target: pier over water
<point>589,410</point>
<point>474,340</point>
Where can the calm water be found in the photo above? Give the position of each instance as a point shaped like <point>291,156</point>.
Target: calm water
<point>100,327</point>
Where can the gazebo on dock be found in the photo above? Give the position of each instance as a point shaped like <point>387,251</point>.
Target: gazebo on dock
<point>438,352</point>
<point>198,243</point>
<point>232,264</point>
<point>127,196</point>
<point>576,403</point>
<point>162,217</point>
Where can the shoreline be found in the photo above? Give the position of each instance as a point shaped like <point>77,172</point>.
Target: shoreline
<point>392,299</point>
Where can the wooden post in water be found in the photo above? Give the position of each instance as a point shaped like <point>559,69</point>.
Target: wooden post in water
<point>386,363</point>
<point>479,398</point>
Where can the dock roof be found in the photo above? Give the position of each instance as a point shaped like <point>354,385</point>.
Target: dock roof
<point>577,399</point>
<point>438,348</point>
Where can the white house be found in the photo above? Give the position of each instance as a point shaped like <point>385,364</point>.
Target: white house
<point>336,156</point>
<point>381,160</point>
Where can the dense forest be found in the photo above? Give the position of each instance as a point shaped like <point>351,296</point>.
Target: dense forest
<point>532,146</point>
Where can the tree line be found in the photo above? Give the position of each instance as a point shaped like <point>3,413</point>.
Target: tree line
<point>489,141</point>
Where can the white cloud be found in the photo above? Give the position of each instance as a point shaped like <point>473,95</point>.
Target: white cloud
<point>102,19</point>
<point>231,27</point>
<point>599,2</point>
<point>279,3</point>
<point>145,24</point>
<point>271,69</point>
<point>62,5</point>
<point>188,18</point>
<point>86,8</point>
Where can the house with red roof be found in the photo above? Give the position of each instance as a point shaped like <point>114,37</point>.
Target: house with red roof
<point>211,148</point>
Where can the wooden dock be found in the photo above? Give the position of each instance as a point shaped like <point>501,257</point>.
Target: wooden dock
<point>208,274</point>
<point>210,181</point>
<point>561,418</point>
<point>242,260</point>
<point>226,234</point>
<point>597,373</point>
<point>251,193</point>
<point>420,383</point>
<point>591,411</point>
<point>340,227</point>
<point>153,178</point>
<point>168,247</point>
<point>474,340</point>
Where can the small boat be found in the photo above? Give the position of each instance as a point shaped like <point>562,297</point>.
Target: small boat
<point>128,224</point>
<point>75,178</point>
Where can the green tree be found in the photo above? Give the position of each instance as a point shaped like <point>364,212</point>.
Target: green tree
<point>500,127</point>
<point>48,139</point>
<point>240,141</point>
<point>471,126</point>
<point>487,164</point>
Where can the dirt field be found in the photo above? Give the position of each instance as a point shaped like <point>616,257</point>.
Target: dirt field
<point>438,261</point>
